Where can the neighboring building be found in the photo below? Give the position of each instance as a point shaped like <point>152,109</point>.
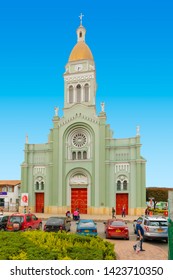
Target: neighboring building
<point>82,165</point>
<point>10,194</point>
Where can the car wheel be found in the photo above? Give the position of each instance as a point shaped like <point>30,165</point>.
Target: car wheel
<point>2,229</point>
<point>166,240</point>
<point>29,228</point>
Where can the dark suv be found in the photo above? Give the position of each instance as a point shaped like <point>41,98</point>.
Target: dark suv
<point>3,222</point>
<point>18,221</point>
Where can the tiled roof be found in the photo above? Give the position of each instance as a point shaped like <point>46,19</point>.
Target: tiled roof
<point>9,182</point>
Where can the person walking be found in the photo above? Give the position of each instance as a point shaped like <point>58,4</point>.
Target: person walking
<point>113,212</point>
<point>123,211</point>
<point>147,211</point>
<point>140,234</point>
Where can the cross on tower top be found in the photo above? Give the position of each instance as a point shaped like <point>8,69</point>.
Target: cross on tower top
<point>81,16</point>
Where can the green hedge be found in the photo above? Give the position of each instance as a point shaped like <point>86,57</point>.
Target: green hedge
<point>38,245</point>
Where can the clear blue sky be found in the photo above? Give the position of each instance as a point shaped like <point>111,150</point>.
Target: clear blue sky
<point>132,44</point>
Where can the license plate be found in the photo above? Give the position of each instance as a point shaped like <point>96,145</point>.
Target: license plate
<point>16,226</point>
<point>160,230</point>
<point>118,230</point>
<point>86,230</point>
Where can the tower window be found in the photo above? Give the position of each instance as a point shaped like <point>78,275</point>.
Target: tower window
<point>71,94</point>
<point>78,93</point>
<point>86,92</point>
<point>80,34</point>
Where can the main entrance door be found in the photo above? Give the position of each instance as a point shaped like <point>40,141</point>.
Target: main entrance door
<point>79,200</point>
<point>121,199</point>
<point>39,202</point>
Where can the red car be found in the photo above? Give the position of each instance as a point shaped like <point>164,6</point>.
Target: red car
<point>18,221</point>
<point>115,228</point>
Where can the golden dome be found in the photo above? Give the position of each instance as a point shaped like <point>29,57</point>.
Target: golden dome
<point>80,51</point>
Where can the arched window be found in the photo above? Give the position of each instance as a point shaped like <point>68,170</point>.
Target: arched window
<point>78,93</point>
<point>84,155</point>
<point>42,186</point>
<point>125,185</point>
<point>37,186</point>
<point>80,34</point>
<point>79,155</point>
<point>74,155</point>
<point>71,94</point>
<point>86,92</point>
<point>118,185</point>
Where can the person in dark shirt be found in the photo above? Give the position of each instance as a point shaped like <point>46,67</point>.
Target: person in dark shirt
<point>113,213</point>
<point>140,234</point>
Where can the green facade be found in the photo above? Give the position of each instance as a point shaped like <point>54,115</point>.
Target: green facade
<point>81,152</point>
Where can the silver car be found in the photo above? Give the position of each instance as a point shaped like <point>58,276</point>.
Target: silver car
<point>155,227</point>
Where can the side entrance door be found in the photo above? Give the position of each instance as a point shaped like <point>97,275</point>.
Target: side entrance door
<point>121,199</point>
<point>79,200</point>
<point>39,202</point>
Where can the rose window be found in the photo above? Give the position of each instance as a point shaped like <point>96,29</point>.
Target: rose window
<point>79,140</point>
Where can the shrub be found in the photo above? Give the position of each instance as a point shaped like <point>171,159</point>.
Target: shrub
<point>38,245</point>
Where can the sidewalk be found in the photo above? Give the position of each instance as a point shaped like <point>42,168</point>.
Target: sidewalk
<point>96,218</point>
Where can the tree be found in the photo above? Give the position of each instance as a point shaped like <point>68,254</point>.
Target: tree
<point>157,194</point>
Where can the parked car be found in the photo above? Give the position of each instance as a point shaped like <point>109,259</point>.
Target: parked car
<point>54,224</point>
<point>86,227</point>
<point>19,221</point>
<point>155,227</point>
<point>3,222</point>
<point>116,228</point>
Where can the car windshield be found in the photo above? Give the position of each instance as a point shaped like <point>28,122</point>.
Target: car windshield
<point>158,223</point>
<point>56,221</point>
<point>86,224</point>
<point>18,219</point>
<point>117,223</point>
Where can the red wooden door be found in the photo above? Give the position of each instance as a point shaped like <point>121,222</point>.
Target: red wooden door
<point>39,202</point>
<point>79,200</point>
<point>121,199</point>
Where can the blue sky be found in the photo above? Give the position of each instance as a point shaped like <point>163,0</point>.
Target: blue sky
<point>132,45</point>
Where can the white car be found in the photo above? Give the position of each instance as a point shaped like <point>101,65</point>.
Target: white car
<point>155,227</point>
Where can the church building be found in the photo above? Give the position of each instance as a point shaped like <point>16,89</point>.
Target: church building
<point>81,165</point>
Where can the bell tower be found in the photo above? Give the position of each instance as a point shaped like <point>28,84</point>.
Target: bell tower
<point>80,77</point>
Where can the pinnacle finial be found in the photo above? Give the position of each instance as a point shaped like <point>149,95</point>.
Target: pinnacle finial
<point>102,106</point>
<point>26,139</point>
<point>81,16</point>
<point>138,130</point>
